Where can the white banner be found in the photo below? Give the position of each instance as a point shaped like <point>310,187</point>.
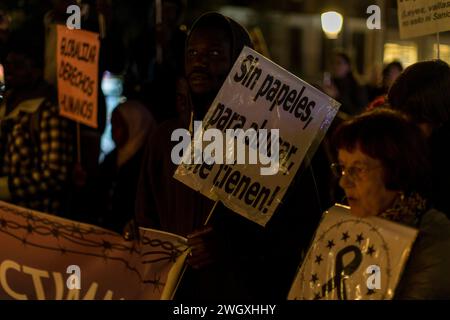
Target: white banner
<point>257,95</point>
<point>422,17</point>
<point>44,257</point>
<point>353,258</point>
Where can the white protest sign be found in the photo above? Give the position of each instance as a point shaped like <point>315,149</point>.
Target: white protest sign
<point>257,95</point>
<point>353,259</point>
<point>422,17</point>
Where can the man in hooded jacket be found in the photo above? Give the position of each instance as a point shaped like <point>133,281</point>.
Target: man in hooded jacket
<point>233,257</point>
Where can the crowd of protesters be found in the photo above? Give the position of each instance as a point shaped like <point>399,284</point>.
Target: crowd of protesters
<point>391,161</point>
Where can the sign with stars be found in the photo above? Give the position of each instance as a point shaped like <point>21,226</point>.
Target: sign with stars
<point>339,264</point>
<point>39,249</point>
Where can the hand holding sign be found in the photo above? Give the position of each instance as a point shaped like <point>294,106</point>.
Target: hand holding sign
<point>203,246</point>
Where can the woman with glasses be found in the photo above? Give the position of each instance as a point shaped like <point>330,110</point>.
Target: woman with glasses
<point>384,171</point>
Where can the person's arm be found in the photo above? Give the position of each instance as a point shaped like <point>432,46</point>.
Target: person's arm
<point>425,275</point>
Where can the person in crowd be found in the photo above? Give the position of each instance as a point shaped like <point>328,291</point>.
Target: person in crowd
<point>36,144</point>
<point>390,73</point>
<point>378,94</point>
<point>96,16</point>
<point>132,123</point>
<point>208,59</point>
<point>231,256</point>
<point>384,171</point>
<point>422,92</point>
<point>344,87</point>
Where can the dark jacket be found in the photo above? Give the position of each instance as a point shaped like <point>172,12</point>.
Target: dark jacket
<point>426,275</point>
<point>118,190</point>
<point>440,161</point>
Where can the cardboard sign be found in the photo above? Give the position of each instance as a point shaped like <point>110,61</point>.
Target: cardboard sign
<point>353,259</point>
<point>46,257</point>
<point>77,73</point>
<point>422,17</point>
<point>257,95</point>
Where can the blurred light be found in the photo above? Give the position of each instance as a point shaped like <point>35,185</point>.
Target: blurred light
<point>444,52</point>
<point>405,52</point>
<point>2,83</point>
<point>112,88</point>
<point>331,24</point>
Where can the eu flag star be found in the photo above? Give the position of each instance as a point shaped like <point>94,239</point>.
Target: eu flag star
<point>360,238</point>
<point>314,278</point>
<point>345,236</point>
<point>330,244</point>
<point>319,259</point>
<point>371,250</point>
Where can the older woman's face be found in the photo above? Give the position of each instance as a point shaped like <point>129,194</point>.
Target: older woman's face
<point>363,183</point>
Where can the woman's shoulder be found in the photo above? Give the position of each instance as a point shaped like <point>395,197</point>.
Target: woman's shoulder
<point>426,274</point>
<point>435,223</point>
<point>433,241</point>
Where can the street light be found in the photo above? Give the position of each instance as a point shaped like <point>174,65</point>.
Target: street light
<point>331,24</point>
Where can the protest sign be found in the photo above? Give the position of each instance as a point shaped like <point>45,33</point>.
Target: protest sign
<point>258,96</point>
<point>46,257</point>
<point>422,17</point>
<point>353,259</point>
<point>77,54</point>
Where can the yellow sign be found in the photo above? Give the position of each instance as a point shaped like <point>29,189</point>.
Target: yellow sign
<point>77,73</point>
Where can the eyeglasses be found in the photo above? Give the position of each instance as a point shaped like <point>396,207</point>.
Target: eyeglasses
<point>352,172</point>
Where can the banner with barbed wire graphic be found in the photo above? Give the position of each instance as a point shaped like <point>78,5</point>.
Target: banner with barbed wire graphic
<point>44,257</point>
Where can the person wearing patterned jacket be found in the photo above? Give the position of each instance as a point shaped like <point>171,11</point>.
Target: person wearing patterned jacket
<point>36,144</point>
